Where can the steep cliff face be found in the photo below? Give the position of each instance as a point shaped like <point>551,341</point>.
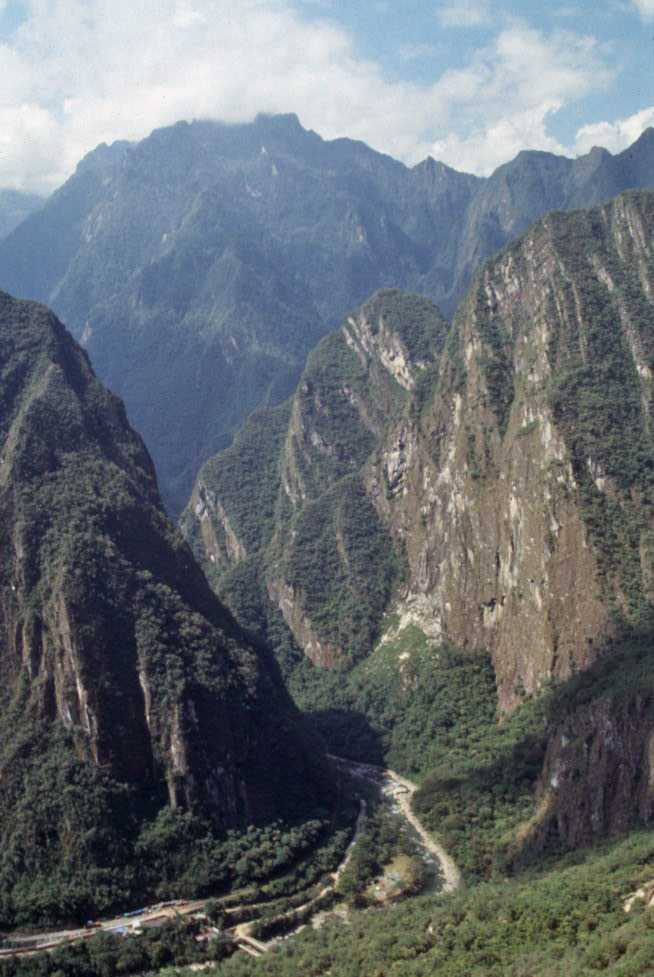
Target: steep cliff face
<point>512,472</point>
<point>297,493</point>
<point>113,649</point>
<point>229,251</point>
<point>597,776</point>
<point>535,498</point>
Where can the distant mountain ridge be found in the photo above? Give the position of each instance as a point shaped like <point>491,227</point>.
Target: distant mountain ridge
<point>15,206</point>
<point>200,266</point>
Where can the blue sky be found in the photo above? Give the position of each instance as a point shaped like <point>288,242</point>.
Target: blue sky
<point>470,83</point>
<point>420,40</point>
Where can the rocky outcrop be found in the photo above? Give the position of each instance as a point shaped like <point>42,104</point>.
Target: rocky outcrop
<point>291,603</point>
<point>524,517</point>
<point>111,641</point>
<point>201,265</point>
<point>325,554</point>
<point>598,775</point>
<point>509,468</point>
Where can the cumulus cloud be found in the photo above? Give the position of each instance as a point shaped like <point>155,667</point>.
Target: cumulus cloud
<point>464,13</point>
<point>503,101</point>
<point>89,71</point>
<point>645,8</point>
<point>80,72</point>
<point>614,136</point>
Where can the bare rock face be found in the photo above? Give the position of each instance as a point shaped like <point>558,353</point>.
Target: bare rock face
<point>508,471</point>
<point>296,498</point>
<point>111,641</point>
<point>532,481</point>
<point>598,775</point>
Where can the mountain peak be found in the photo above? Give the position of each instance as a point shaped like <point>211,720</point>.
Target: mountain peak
<point>282,120</point>
<point>645,141</point>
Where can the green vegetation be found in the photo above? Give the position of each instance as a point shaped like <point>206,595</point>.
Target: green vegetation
<point>245,478</point>
<point>138,726</point>
<point>381,841</point>
<point>183,859</point>
<point>430,713</point>
<point>66,830</point>
<point>497,358</point>
<point>570,920</point>
<point>342,564</point>
<point>558,915</point>
<point>76,843</point>
<point>106,955</point>
<point>477,801</point>
<point>413,319</point>
<point>596,399</point>
<point>293,485</point>
<point>421,703</point>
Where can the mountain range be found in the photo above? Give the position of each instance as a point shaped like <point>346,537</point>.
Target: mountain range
<point>488,485</point>
<point>15,206</point>
<point>406,415</point>
<point>200,266</point>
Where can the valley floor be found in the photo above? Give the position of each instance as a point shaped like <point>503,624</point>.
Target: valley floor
<point>401,791</point>
<point>396,792</point>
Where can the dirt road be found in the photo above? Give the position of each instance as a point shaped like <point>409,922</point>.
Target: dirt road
<point>403,791</point>
<point>388,781</point>
<point>451,874</point>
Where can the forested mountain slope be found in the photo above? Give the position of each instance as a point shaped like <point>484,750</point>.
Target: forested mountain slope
<point>201,265</point>
<point>507,475</point>
<point>290,508</point>
<point>512,472</point>
<point>136,722</point>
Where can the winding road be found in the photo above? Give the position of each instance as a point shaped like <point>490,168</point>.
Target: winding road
<point>389,782</point>
<point>450,872</point>
<point>403,790</point>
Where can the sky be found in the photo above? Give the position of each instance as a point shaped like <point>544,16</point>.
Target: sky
<point>470,83</point>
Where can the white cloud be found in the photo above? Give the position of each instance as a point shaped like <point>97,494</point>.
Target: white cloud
<point>89,71</point>
<point>614,136</point>
<point>503,101</point>
<point>80,72</point>
<point>645,8</point>
<point>464,13</point>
